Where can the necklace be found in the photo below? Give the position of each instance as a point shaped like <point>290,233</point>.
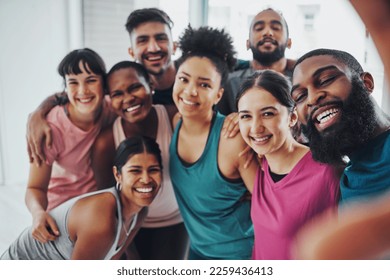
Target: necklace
<point>132,224</point>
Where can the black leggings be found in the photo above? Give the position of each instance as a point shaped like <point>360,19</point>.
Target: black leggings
<point>165,243</point>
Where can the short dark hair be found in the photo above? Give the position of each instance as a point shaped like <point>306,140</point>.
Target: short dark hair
<point>341,56</point>
<point>273,82</point>
<point>139,68</point>
<point>280,14</point>
<point>136,145</point>
<point>140,16</point>
<point>214,44</point>
<point>90,60</point>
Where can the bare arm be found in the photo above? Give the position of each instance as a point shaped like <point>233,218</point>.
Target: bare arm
<point>376,17</point>
<point>103,153</point>
<point>360,232</point>
<point>44,227</point>
<point>92,226</point>
<point>38,131</point>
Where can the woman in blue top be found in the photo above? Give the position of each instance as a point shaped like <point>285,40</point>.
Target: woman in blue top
<point>208,176</point>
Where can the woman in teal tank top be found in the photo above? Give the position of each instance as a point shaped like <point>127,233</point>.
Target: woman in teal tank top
<point>208,176</point>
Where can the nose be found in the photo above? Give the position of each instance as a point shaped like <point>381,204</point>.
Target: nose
<point>190,89</point>
<point>315,97</point>
<point>257,126</point>
<point>145,177</point>
<point>153,46</point>
<point>268,32</point>
<point>83,89</point>
<point>128,97</point>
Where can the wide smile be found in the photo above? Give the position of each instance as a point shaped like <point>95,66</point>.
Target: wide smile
<point>85,100</point>
<point>326,116</point>
<point>133,108</point>
<point>260,140</point>
<point>154,57</point>
<point>188,103</point>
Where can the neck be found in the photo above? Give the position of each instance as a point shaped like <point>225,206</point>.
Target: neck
<point>383,122</point>
<point>197,125</point>
<point>283,160</point>
<point>145,127</point>
<point>84,122</point>
<point>166,79</point>
<point>279,66</point>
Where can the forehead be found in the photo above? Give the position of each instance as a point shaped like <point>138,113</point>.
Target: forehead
<point>150,29</point>
<point>199,66</point>
<point>142,158</point>
<point>129,75</point>
<point>268,16</point>
<point>315,64</point>
<point>257,97</point>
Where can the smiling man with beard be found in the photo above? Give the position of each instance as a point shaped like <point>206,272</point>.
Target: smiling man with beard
<point>268,40</point>
<point>341,119</point>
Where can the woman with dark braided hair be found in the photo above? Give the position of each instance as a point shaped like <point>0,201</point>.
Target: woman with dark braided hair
<point>208,176</point>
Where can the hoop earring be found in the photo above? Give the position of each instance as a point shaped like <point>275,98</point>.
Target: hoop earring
<point>118,186</point>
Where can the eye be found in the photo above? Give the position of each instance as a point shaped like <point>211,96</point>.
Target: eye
<point>162,37</point>
<point>92,80</point>
<point>183,79</point>
<point>155,170</point>
<point>205,85</point>
<point>326,81</point>
<point>244,116</point>
<point>299,96</point>
<point>268,114</point>
<point>116,94</point>
<point>135,171</point>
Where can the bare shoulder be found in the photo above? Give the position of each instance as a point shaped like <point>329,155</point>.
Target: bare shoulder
<point>104,140</point>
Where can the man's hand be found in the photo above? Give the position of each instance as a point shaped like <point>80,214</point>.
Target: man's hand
<point>38,133</point>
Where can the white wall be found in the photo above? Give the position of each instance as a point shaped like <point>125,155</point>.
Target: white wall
<point>34,38</point>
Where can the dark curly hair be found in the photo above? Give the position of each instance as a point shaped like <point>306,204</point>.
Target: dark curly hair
<point>214,44</point>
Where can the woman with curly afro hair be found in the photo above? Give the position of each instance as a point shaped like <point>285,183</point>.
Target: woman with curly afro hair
<point>209,177</point>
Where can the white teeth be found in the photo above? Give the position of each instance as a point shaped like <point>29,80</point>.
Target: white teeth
<point>188,102</point>
<point>261,139</point>
<point>154,58</point>
<point>144,190</point>
<point>85,100</point>
<point>327,115</point>
<point>133,108</point>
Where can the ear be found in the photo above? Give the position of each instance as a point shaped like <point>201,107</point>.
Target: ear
<point>131,52</point>
<point>219,95</point>
<point>368,81</point>
<point>117,174</point>
<point>174,47</point>
<point>289,43</point>
<point>248,45</point>
<point>293,118</point>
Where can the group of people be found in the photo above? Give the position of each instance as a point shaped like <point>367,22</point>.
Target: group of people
<point>188,185</point>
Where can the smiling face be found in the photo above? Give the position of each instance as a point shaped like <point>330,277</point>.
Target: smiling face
<point>140,179</point>
<point>333,106</point>
<point>152,46</point>
<point>197,87</point>
<point>268,38</point>
<point>264,122</point>
<point>130,94</point>
<point>85,91</point>
<point>321,85</point>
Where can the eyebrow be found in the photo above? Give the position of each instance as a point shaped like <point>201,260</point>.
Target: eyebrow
<point>200,78</point>
<point>274,21</point>
<point>316,73</point>
<point>261,110</point>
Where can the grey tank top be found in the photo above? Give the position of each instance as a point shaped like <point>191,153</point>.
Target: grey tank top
<point>25,247</point>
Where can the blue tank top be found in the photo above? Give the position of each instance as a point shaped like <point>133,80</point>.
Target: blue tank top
<point>218,223</point>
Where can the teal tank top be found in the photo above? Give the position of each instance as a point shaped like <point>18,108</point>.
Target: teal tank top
<point>218,222</point>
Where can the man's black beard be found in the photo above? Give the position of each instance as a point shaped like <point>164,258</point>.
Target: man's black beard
<point>355,127</point>
<point>268,58</point>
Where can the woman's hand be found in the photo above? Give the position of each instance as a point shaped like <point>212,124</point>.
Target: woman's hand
<point>44,227</point>
<point>230,126</point>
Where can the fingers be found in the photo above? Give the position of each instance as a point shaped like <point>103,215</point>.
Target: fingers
<point>43,235</point>
<point>53,227</point>
<point>230,127</point>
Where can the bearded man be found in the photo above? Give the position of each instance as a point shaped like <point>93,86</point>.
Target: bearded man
<point>342,121</point>
<point>268,40</point>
